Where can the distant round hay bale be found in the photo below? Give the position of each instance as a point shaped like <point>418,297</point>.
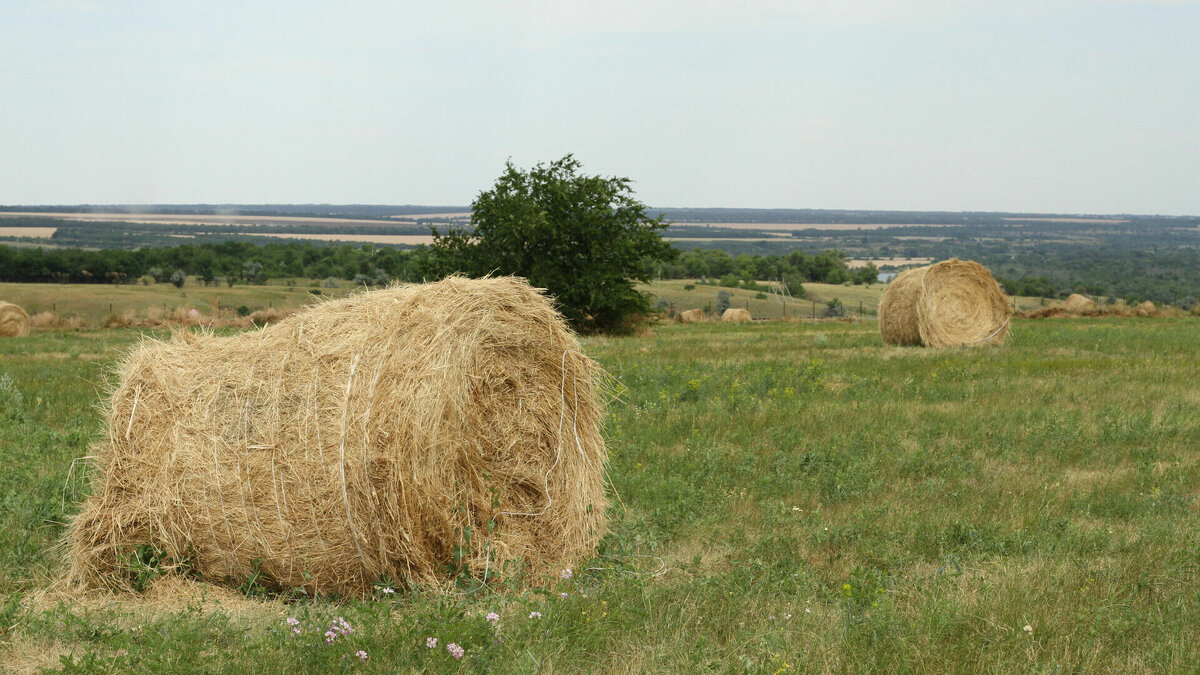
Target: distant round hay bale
<point>947,304</point>
<point>736,314</point>
<point>14,321</point>
<point>1146,308</point>
<point>1080,304</point>
<point>396,435</point>
<point>693,316</point>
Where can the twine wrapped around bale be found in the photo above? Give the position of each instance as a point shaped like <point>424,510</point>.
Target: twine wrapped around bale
<point>1080,304</point>
<point>693,316</point>
<point>401,434</point>
<point>947,304</point>
<point>14,321</point>
<point>736,315</point>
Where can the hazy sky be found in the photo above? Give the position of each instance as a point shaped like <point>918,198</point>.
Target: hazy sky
<point>1085,106</point>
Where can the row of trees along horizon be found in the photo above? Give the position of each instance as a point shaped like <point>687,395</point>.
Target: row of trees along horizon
<point>586,239</point>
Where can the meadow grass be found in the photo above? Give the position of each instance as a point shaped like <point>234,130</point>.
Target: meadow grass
<point>854,298</point>
<point>94,303</point>
<point>792,498</point>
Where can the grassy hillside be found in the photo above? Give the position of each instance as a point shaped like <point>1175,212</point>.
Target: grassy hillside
<point>792,498</point>
<point>92,303</point>
<point>816,295</point>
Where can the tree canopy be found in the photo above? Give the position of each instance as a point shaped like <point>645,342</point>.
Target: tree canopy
<point>583,238</point>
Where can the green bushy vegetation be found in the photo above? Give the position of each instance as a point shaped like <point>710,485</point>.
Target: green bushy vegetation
<point>792,498</point>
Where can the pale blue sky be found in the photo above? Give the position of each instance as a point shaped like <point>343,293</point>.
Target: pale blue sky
<point>1080,106</point>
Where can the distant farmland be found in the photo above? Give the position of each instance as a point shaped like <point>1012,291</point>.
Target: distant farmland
<point>209,219</point>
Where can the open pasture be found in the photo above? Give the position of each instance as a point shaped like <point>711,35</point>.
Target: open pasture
<point>789,497</point>
<point>852,297</point>
<point>93,304</point>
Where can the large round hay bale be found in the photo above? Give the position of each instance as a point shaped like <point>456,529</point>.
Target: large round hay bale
<point>947,304</point>
<point>14,322</point>
<point>391,435</point>
<point>1080,304</point>
<point>736,314</point>
<point>1146,308</point>
<point>693,316</point>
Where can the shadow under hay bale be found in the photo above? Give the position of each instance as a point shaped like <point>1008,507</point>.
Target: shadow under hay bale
<point>14,321</point>
<point>948,304</point>
<point>693,316</point>
<point>403,434</point>
<point>736,315</point>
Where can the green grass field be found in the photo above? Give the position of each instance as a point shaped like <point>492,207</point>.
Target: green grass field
<point>794,497</point>
<point>93,303</point>
<point>855,299</point>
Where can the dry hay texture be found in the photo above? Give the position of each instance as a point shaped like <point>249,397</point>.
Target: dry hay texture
<point>693,316</point>
<point>370,438</point>
<point>1080,304</point>
<point>1145,308</point>
<point>14,322</point>
<point>736,314</point>
<point>946,304</point>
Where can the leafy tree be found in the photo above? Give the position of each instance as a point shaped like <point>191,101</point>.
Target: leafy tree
<point>867,275</point>
<point>178,278</point>
<point>793,282</point>
<point>583,238</point>
<point>724,300</point>
<point>251,269</point>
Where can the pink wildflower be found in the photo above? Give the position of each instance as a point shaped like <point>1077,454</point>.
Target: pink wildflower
<point>431,642</point>
<point>492,616</point>
<point>566,574</point>
<point>362,655</point>
<point>455,651</point>
<point>535,615</point>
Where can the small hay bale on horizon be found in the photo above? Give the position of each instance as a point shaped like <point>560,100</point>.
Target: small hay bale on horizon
<point>947,304</point>
<point>1145,309</point>
<point>397,434</point>
<point>736,315</point>
<point>1080,305</point>
<point>693,316</point>
<point>14,321</point>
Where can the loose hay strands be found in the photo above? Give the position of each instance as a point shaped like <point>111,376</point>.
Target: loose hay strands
<point>947,304</point>
<point>693,316</point>
<point>14,322</point>
<point>397,434</point>
<point>736,314</point>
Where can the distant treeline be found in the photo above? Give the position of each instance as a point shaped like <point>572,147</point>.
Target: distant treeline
<point>793,269</point>
<point>229,262</point>
<point>239,262</point>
